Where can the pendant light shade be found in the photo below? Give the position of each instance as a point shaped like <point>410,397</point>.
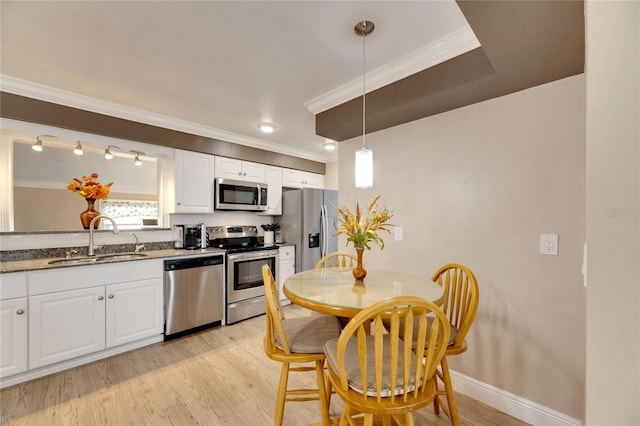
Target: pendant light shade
<point>38,145</point>
<point>364,168</point>
<point>78,149</point>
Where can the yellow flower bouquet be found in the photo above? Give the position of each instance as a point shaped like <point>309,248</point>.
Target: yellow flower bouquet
<point>89,187</point>
<point>362,228</point>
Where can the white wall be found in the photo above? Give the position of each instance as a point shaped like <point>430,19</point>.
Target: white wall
<point>613,212</point>
<point>478,185</point>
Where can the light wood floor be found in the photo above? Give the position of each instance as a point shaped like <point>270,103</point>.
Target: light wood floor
<point>216,377</point>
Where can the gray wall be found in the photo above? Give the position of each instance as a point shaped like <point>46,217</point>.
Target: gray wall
<point>478,185</point>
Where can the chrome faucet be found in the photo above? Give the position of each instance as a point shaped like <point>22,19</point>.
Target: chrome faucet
<point>139,247</point>
<point>115,231</point>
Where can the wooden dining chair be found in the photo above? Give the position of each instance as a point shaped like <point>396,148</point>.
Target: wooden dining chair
<point>299,341</point>
<point>376,372</point>
<point>338,259</point>
<point>461,295</point>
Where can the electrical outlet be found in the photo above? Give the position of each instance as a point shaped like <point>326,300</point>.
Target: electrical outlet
<point>397,233</point>
<point>549,244</point>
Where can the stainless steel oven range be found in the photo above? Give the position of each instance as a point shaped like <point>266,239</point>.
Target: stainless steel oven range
<point>245,257</point>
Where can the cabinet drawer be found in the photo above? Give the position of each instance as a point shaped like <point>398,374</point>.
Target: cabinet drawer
<point>49,281</point>
<point>13,285</point>
<point>287,252</point>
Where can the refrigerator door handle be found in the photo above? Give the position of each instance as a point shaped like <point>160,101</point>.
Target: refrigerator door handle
<point>323,230</point>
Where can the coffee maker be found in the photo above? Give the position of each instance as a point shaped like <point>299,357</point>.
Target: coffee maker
<point>195,236</point>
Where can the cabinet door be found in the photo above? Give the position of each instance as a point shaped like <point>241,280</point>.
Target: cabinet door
<point>228,168</point>
<point>287,268</point>
<point>314,180</point>
<point>13,336</point>
<point>292,178</point>
<point>65,325</point>
<point>274,192</point>
<point>254,172</point>
<point>194,182</point>
<point>299,179</point>
<point>134,311</point>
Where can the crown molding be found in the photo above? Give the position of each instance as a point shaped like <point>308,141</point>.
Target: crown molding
<point>454,44</point>
<point>62,97</point>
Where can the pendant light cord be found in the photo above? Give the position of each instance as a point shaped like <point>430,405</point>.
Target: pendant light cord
<point>364,77</point>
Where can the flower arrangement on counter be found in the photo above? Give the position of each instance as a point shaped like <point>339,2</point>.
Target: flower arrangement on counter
<point>270,226</point>
<point>362,228</point>
<point>89,187</point>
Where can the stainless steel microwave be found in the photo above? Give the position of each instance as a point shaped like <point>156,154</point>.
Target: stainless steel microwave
<point>240,195</point>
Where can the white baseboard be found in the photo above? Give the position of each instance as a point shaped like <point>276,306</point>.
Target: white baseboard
<point>520,408</point>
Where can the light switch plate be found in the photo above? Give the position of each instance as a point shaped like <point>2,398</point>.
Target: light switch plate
<point>397,233</point>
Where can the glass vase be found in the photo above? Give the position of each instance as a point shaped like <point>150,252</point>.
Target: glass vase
<point>359,272</point>
<point>87,216</point>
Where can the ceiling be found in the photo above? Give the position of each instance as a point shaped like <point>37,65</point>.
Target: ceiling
<point>218,68</point>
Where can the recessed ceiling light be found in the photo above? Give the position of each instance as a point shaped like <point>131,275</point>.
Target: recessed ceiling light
<point>330,145</point>
<point>266,127</point>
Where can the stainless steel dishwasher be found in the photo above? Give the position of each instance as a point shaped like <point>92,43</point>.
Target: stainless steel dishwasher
<point>193,294</point>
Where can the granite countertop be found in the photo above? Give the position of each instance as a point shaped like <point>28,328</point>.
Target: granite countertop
<point>41,264</point>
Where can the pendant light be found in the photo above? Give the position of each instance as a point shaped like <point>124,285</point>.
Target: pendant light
<point>137,161</point>
<point>364,155</point>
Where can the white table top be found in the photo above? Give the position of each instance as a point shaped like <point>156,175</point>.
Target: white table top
<point>334,291</point>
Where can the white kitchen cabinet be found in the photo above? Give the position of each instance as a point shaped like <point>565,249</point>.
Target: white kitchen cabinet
<point>274,191</point>
<point>65,325</point>
<point>299,179</point>
<point>194,182</point>
<point>83,310</point>
<point>287,264</point>
<point>134,311</point>
<point>13,336</point>
<point>231,168</point>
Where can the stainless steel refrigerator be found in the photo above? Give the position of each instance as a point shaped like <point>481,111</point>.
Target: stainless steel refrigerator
<point>308,221</point>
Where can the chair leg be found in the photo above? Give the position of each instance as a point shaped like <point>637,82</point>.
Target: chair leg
<point>344,417</point>
<point>368,419</point>
<point>282,394</point>
<point>448,387</point>
<point>322,393</point>
<point>436,400</point>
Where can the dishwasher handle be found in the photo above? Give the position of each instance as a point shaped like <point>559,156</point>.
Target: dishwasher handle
<point>196,262</point>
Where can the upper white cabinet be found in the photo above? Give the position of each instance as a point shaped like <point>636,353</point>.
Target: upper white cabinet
<point>274,191</point>
<point>298,179</point>
<point>230,168</point>
<point>194,182</point>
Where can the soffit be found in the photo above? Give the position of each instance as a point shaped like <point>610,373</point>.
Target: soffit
<point>523,44</point>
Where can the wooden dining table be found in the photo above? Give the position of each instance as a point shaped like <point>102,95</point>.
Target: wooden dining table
<point>334,291</point>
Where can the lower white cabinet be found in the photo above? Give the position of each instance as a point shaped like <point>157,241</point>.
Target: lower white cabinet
<point>65,325</point>
<point>287,263</point>
<point>134,311</point>
<point>69,324</point>
<point>13,336</point>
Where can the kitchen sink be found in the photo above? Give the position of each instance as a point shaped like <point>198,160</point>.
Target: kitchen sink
<point>98,259</point>
<point>120,256</point>
<point>77,261</point>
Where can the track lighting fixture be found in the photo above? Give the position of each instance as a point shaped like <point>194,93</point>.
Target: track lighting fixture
<point>137,161</point>
<point>38,145</point>
<point>78,149</point>
<point>107,152</point>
